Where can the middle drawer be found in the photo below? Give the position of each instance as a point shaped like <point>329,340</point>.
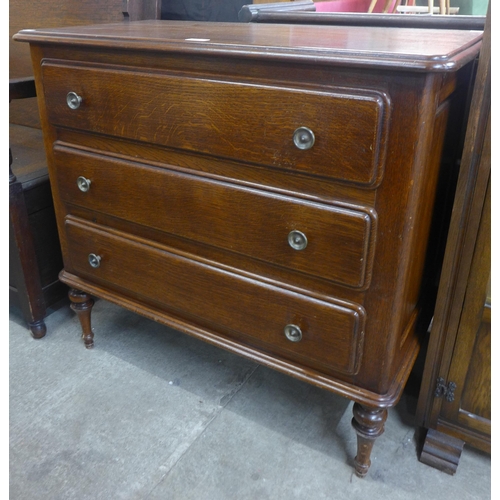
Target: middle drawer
<point>327,241</point>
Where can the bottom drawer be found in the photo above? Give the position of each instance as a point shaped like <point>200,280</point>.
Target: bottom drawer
<point>319,334</point>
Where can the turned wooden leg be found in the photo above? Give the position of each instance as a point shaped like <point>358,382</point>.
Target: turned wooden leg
<point>38,329</point>
<point>369,425</point>
<point>82,304</point>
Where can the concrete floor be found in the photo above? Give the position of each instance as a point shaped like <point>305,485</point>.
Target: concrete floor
<point>152,414</point>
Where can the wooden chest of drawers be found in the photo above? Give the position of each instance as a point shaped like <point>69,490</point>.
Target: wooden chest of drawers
<point>268,189</point>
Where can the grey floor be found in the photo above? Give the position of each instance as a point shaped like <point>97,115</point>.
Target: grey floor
<point>152,414</point>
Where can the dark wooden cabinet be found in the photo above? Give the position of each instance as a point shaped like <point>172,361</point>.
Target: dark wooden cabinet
<point>34,251</point>
<point>455,400</point>
<point>268,189</point>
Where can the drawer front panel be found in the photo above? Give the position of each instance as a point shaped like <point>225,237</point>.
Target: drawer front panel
<point>332,333</point>
<point>253,123</point>
<point>338,241</point>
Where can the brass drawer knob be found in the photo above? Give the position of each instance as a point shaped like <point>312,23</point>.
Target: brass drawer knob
<point>83,184</point>
<point>293,333</point>
<point>297,240</point>
<point>94,260</point>
<point>303,138</point>
<point>73,100</point>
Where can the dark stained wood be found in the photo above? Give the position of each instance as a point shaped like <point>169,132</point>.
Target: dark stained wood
<point>24,271</point>
<point>186,115</point>
<point>29,163</point>
<point>22,88</point>
<point>82,304</point>
<point>459,348</point>
<point>195,205</point>
<point>210,257</point>
<point>442,451</point>
<point>34,253</point>
<point>369,425</point>
<point>476,396</point>
<point>339,45</point>
<point>210,296</point>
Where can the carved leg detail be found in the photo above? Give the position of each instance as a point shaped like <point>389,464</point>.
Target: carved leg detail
<point>82,304</point>
<point>369,425</point>
<point>38,329</point>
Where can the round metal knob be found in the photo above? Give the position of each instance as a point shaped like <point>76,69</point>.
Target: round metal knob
<point>94,260</point>
<point>303,138</point>
<point>297,240</point>
<point>73,100</point>
<point>293,333</point>
<point>83,184</point>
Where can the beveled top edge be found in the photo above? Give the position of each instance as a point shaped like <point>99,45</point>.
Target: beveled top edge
<point>390,48</point>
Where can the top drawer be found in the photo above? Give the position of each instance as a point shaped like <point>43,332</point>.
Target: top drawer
<point>338,135</point>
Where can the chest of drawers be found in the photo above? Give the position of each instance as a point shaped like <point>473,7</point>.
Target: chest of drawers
<point>268,189</point>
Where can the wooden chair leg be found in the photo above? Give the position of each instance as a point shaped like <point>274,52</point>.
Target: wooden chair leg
<point>369,425</point>
<point>82,304</point>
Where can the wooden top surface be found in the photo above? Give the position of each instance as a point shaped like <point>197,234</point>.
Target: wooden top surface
<point>412,49</point>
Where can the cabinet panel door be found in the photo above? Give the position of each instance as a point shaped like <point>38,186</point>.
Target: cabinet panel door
<point>470,367</point>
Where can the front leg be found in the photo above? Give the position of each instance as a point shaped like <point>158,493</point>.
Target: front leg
<point>82,303</point>
<point>369,425</point>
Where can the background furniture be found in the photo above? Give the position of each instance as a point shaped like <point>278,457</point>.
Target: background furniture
<point>250,12</point>
<point>304,13</point>
<point>35,256</point>
<point>455,398</point>
<point>205,10</point>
